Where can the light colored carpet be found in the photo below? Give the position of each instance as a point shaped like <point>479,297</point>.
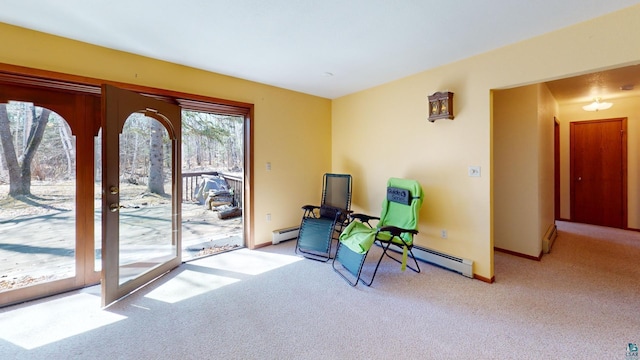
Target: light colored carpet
<point>580,302</point>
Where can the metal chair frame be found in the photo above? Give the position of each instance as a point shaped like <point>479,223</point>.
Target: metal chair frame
<point>330,215</point>
<point>395,233</point>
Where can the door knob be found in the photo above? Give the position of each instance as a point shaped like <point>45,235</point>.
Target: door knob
<point>113,207</point>
<point>579,178</point>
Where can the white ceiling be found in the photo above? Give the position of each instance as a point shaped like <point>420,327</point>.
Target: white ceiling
<point>295,44</point>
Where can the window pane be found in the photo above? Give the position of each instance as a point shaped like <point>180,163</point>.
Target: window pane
<point>37,196</point>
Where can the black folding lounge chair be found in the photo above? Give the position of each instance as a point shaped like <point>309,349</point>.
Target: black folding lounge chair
<point>396,226</point>
<point>320,225</point>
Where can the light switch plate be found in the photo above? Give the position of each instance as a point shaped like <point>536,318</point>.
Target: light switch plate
<point>474,171</point>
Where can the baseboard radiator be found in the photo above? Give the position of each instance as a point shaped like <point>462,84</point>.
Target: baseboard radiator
<point>445,261</point>
<point>549,238</point>
<point>459,265</point>
<point>285,234</point>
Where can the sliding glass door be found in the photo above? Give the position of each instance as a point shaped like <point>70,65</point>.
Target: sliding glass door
<point>88,198</point>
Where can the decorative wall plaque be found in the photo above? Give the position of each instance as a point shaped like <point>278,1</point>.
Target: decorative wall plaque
<point>441,106</point>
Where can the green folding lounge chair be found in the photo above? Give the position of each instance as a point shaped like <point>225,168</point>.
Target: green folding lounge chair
<point>320,225</point>
<point>396,226</point>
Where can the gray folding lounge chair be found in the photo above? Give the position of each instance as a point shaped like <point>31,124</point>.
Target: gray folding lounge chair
<point>320,225</point>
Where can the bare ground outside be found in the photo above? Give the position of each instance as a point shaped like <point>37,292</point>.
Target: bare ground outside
<point>37,241</point>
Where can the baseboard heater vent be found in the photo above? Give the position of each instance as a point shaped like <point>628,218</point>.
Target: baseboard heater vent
<point>549,238</point>
<point>285,234</point>
<point>461,266</point>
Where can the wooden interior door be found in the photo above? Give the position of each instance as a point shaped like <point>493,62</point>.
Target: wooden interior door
<point>140,243</point>
<point>599,172</point>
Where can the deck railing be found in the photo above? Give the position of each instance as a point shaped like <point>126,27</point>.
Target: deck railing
<point>191,181</point>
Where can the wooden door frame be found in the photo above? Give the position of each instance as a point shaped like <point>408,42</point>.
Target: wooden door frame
<point>624,160</point>
<point>87,85</point>
<point>91,89</point>
<point>556,168</point>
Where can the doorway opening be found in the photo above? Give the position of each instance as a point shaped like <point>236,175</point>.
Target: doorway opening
<point>212,181</point>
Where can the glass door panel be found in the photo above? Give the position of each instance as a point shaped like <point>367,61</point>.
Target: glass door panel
<point>97,201</point>
<point>141,234</point>
<point>46,147</point>
<point>37,197</point>
<point>146,233</point>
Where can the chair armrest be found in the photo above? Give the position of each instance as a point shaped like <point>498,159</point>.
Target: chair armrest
<point>396,231</point>
<point>363,217</point>
<point>310,211</point>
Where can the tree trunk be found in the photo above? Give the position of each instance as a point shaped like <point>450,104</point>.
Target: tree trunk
<point>9,151</point>
<point>156,178</point>
<point>67,146</point>
<point>20,175</point>
<point>133,169</point>
<point>33,142</point>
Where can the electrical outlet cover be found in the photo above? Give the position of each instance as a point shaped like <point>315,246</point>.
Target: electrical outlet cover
<point>474,171</point>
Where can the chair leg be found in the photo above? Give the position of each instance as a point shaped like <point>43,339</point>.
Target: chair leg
<point>416,269</point>
<point>350,264</point>
<point>375,271</point>
<point>385,249</point>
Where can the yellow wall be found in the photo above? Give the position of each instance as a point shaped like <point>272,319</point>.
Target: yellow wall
<point>383,131</point>
<point>627,107</point>
<point>523,178</point>
<point>516,170</point>
<point>548,111</point>
<point>291,130</point>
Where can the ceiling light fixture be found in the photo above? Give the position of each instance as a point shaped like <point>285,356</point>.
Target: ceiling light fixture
<point>596,105</point>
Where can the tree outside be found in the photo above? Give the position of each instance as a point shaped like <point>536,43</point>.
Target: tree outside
<point>22,130</point>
